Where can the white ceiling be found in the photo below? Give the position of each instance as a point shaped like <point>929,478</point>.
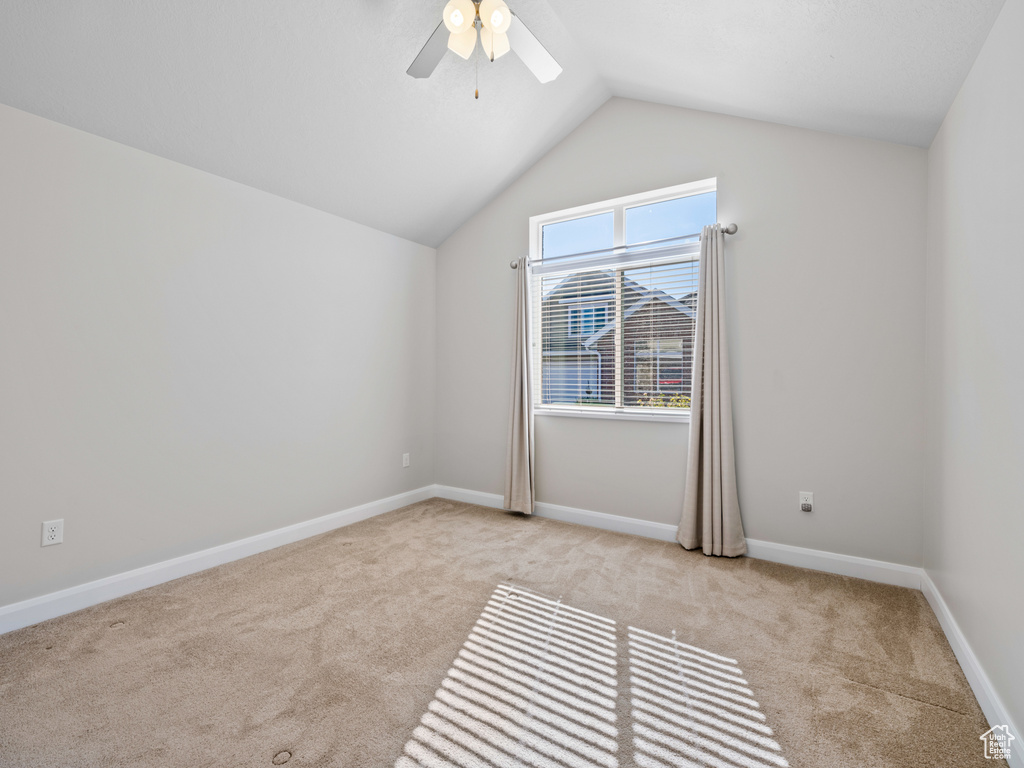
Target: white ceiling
<point>310,100</point>
<point>884,69</point>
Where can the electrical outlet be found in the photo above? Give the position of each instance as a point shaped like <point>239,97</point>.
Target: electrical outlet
<point>405,459</point>
<point>53,532</point>
<point>806,501</point>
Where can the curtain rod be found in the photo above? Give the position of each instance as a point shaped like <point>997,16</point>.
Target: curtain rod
<point>729,229</point>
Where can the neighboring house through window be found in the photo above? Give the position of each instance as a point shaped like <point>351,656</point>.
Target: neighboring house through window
<point>614,303</point>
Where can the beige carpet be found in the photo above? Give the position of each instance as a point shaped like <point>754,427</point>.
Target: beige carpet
<point>448,634</point>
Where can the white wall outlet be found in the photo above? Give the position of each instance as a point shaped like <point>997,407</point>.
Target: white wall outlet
<point>806,501</point>
<point>53,532</point>
<point>405,459</point>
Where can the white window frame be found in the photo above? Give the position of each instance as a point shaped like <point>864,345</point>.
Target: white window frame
<point>618,208</point>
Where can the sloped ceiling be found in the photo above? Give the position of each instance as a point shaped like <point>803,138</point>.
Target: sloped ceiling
<point>310,100</point>
<point>882,69</point>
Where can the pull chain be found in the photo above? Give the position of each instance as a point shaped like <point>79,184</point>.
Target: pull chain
<point>477,96</point>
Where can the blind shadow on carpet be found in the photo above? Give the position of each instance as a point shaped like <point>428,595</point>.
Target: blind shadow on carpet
<point>536,685</point>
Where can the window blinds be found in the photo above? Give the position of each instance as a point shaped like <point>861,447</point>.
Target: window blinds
<point>615,330</point>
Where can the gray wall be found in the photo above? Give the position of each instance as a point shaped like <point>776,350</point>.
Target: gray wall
<point>974,525</point>
<point>827,329</point>
<point>185,361</point>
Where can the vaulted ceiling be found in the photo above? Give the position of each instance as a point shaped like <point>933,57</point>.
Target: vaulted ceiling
<point>310,101</point>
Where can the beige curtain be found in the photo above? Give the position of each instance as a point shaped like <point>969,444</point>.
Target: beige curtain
<point>711,508</point>
<point>519,465</point>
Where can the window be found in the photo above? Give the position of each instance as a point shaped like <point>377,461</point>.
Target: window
<point>614,303</point>
<point>572,378</point>
<point>658,366</point>
<point>586,319</point>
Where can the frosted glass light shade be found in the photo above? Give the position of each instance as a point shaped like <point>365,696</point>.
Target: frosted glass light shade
<point>497,41</point>
<point>459,16</point>
<point>463,43</point>
<point>495,16</point>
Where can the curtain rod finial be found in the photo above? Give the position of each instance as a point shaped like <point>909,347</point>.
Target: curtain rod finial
<point>730,229</point>
<point>514,264</point>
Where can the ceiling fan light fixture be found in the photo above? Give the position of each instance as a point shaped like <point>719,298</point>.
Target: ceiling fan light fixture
<point>459,16</point>
<point>492,18</point>
<point>495,44</point>
<point>463,43</point>
<point>495,16</point>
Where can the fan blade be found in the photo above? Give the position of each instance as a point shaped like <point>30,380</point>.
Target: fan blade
<point>532,52</point>
<point>431,54</point>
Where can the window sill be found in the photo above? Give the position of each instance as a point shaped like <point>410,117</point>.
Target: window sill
<point>620,414</point>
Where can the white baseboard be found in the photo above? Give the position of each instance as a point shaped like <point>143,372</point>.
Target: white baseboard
<point>617,523</point>
<point>469,497</point>
<point>36,609</point>
<point>995,711</point>
<point>830,562</point>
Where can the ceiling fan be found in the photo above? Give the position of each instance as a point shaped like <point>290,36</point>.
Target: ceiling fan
<point>500,31</point>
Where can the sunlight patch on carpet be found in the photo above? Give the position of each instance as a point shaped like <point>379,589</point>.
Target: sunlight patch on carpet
<point>536,686</point>
<point>691,707</point>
